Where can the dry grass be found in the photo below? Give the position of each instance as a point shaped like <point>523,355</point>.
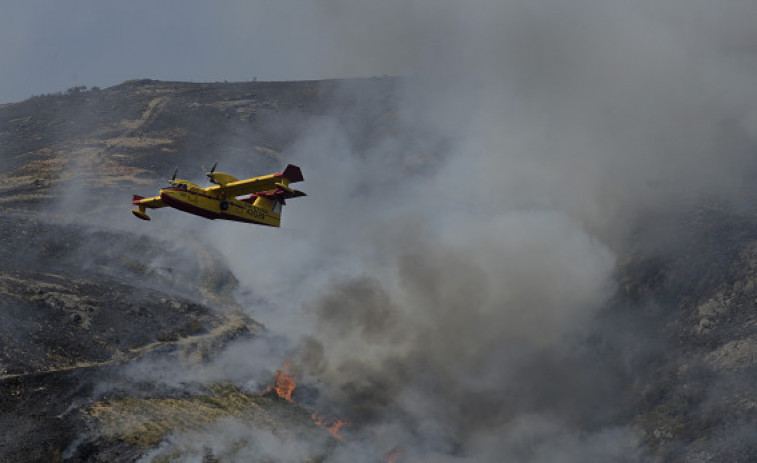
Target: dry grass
<point>146,422</point>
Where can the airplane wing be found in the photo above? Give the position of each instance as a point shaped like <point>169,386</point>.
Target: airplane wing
<point>291,174</point>
<point>153,203</point>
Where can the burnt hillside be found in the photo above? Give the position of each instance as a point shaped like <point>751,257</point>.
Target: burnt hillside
<point>120,342</point>
<point>81,297</point>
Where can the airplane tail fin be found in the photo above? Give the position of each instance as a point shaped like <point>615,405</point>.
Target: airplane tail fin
<point>275,198</point>
<point>292,173</point>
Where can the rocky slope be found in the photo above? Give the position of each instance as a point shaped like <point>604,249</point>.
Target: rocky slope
<point>80,298</point>
<point>699,304</point>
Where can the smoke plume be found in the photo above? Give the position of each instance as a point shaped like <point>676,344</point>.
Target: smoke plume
<point>440,283</point>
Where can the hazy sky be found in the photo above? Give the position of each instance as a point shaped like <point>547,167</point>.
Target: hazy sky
<point>49,46</point>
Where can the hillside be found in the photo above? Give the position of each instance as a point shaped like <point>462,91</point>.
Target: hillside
<point>88,298</point>
<point>81,298</point>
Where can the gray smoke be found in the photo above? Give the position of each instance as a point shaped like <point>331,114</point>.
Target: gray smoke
<point>440,283</point>
<point>444,310</point>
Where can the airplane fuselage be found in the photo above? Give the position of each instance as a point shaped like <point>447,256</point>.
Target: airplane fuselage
<point>217,207</point>
<point>223,200</point>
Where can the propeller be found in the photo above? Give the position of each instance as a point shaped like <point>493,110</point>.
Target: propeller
<point>209,173</point>
<point>174,174</point>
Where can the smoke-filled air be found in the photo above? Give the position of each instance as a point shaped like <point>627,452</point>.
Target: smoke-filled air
<point>454,287</point>
<point>444,285</point>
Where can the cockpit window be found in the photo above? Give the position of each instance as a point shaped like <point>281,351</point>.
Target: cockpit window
<point>277,207</point>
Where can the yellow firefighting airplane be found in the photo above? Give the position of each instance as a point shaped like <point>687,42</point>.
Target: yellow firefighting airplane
<point>267,194</point>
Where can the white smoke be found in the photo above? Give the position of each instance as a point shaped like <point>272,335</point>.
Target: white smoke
<point>442,309</point>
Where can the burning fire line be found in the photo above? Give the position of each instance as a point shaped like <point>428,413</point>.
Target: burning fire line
<point>284,384</point>
<point>332,424</point>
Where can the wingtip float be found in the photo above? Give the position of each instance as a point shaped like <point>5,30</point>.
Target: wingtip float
<point>267,195</point>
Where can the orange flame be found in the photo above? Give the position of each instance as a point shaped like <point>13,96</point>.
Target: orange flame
<point>284,383</point>
<point>333,425</point>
